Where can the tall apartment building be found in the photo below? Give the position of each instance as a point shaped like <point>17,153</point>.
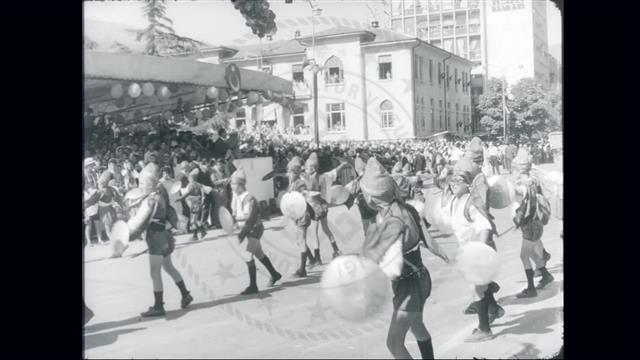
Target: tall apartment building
<point>374,84</point>
<point>503,38</point>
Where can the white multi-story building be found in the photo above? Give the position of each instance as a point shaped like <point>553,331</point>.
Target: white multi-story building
<point>503,38</point>
<point>374,84</point>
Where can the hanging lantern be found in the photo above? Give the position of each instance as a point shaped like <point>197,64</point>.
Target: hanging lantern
<point>174,88</point>
<point>134,90</point>
<point>252,98</point>
<point>212,92</point>
<point>147,89</point>
<point>117,91</point>
<point>163,92</point>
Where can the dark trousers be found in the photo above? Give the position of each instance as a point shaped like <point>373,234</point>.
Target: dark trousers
<point>218,201</point>
<point>507,164</point>
<point>206,206</point>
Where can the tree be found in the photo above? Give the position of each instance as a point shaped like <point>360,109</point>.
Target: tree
<point>534,109</point>
<point>258,17</point>
<point>490,107</point>
<point>160,38</point>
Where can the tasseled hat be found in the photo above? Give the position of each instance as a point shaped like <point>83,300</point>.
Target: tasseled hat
<point>239,177</point>
<point>521,161</point>
<point>475,151</point>
<point>148,178</point>
<point>295,165</point>
<point>105,177</point>
<point>376,180</point>
<point>312,160</point>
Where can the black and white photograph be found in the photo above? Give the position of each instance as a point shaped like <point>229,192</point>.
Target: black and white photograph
<point>337,179</point>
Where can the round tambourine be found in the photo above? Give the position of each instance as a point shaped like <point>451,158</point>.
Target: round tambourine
<point>293,205</point>
<point>119,238</point>
<point>478,262</point>
<point>226,220</point>
<point>501,192</point>
<point>232,75</point>
<point>339,195</point>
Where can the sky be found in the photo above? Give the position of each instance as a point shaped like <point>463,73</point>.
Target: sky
<point>216,21</point>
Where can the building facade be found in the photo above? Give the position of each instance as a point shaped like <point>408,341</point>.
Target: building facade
<point>503,38</point>
<point>373,84</point>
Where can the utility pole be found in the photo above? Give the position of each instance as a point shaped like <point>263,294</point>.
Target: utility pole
<point>504,109</point>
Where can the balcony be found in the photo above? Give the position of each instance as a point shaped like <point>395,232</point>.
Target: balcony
<point>473,4</point>
<point>475,55</point>
<point>434,31</point>
<point>447,30</point>
<point>461,29</point>
<point>474,28</point>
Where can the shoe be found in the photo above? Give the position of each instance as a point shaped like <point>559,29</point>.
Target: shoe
<point>478,336</point>
<point>250,290</point>
<point>186,300</point>
<point>471,309</point>
<point>544,282</point>
<point>300,273</point>
<point>195,237</point>
<point>203,233</point>
<point>337,253</point>
<point>495,312</point>
<point>153,311</point>
<point>275,278</point>
<point>527,293</point>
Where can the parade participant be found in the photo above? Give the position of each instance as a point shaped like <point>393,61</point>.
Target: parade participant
<point>91,218</point>
<point>318,187</point>
<point>419,162</point>
<point>296,183</point>
<point>105,197</point>
<point>367,215</point>
<point>193,194</point>
<point>494,158</point>
<point>154,212</point>
<point>394,242</point>
<point>245,209</point>
<point>220,183</point>
<point>129,175</point>
<point>469,216</point>
<point>530,216</point>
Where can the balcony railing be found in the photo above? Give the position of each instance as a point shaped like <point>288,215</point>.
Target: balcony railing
<point>461,29</point>
<point>447,30</point>
<point>475,55</point>
<point>434,31</point>
<point>474,28</point>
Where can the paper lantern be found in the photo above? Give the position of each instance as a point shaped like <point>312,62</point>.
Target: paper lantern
<point>148,89</point>
<point>252,98</point>
<point>212,92</point>
<point>117,91</point>
<point>355,288</point>
<point>134,90</point>
<point>163,92</point>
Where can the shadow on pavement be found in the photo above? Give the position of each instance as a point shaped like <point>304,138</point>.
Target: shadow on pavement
<point>310,279</point>
<point>529,351</point>
<point>107,338</point>
<point>548,292</point>
<point>178,313</point>
<point>537,321</point>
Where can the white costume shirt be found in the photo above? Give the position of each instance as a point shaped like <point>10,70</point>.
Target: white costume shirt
<point>462,228</point>
<point>240,212</point>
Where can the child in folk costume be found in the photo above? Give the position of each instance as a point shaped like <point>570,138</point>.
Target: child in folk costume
<point>91,218</point>
<point>154,211</point>
<point>530,216</point>
<point>471,222</point>
<point>296,183</point>
<point>367,215</point>
<point>106,197</point>
<point>393,241</point>
<point>193,193</point>
<point>245,210</point>
<point>318,187</point>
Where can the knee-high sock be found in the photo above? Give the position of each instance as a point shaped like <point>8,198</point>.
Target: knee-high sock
<point>267,263</point>
<point>183,289</point>
<point>316,255</point>
<point>308,253</point>
<point>483,315</point>
<point>426,349</point>
<point>529,273</point>
<point>157,296</point>
<point>251,266</point>
<point>303,261</point>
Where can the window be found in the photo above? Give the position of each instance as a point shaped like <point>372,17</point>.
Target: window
<point>457,118</point>
<point>434,5</point>
<point>448,45</point>
<point>439,74</point>
<point>434,26</point>
<point>384,67</point>
<point>431,71</point>
<point>461,23</point>
<point>299,115</point>
<point>474,21</point>
<point>298,74</point>
<point>415,67</point>
<point>422,111</point>
<point>448,119</point>
<point>461,47</point>
<point>474,48</point>
<point>241,117</point>
<point>335,74</point>
<point>396,8</point>
<point>335,117</point>
<point>420,67</point>
<point>447,5</point>
<point>440,112</point>
<point>447,25</point>
<point>431,110</point>
<point>448,84</point>
<point>386,114</point>
<point>266,68</point>
<point>456,79</point>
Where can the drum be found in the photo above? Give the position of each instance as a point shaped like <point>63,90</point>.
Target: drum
<point>501,192</point>
<point>338,195</point>
<point>293,205</point>
<point>226,220</point>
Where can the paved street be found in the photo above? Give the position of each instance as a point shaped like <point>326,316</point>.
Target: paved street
<point>292,320</point>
